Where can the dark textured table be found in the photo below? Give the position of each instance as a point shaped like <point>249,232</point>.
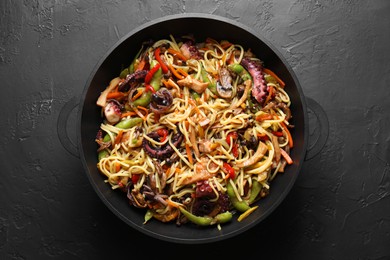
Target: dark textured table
<point>339,207</point>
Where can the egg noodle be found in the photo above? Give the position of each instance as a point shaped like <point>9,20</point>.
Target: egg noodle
<point>206,147</point>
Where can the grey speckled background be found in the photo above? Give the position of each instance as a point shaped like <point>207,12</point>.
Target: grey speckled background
<point>339,207</point>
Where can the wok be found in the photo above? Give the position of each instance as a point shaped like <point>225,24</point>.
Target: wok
<point>120,55</point>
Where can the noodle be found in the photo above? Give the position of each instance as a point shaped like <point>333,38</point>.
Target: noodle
<point>194,129</point>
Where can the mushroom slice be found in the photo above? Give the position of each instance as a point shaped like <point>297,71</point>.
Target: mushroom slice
<point>224,85</point>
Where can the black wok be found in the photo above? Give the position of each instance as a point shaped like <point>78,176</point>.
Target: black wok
<point>120,55</point>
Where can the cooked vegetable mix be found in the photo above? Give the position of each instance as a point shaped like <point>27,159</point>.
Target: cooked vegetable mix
<point>194,131</point>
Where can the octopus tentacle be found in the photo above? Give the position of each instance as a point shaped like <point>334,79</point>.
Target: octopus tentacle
<point>164,151</point>
<point>132,80</point>
<point>255,69</point>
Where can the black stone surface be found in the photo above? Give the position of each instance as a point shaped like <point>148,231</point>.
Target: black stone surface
<point>339,207</point>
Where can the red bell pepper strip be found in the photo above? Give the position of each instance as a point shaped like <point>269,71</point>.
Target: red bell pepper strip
<point>228,169</point>
<point>149,88</point>
<point>163,133</point>
<point>278,133</point>
<point>134,178</point>
<point>164,67</point>
<point>232,137</point>
<point>151,72</point>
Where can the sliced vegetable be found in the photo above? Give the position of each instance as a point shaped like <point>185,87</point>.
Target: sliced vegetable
<point>246,213</point>
<point>103,96</point>
<point>115,95</point>
<point>228,169</point>
<point>207,221</point>
<point>177,54</point>
<point>164,67</point>
<point>241,206</point>
<point>286,156</point>
<point>240,70</point>
<point>212,83</point>
<point>129,122</point>
<point>151,73</point>
<point>270,72</point>
<point>155,82</point>
<point>290,139</point>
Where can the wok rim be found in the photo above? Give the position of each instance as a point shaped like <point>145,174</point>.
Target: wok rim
<point>138,226</point>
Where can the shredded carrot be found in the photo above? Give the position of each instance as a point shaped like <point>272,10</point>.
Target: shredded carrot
<point>270,94</point>
<point>175,72</point>
<point>187,124</point>
<point>182,72</point>
<point>130,113</point>
<point>172,204</point>
<point>118,137</point>
<point>246,213</point>
<point>136,96</point>
<point>115,95</point>
<point>139,113</point>
<point>141,65</point>
<point>143,109</point>
<point>263,117</point>
<point>177,54</point>
<point>289,136</point>
<point>192,102</point>
<point>231,59</point>
<point>117,167</point>
<point>169,83</point>
<point>286,156</point>
<point>270,72</point>
<point>200,131</point>
<point>166,83</point>
<point>189,154</point>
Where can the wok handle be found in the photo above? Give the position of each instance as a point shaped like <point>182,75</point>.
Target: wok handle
<point>62,123</point>
<point>318,130</point>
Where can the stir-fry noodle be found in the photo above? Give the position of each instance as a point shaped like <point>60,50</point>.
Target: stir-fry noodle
<point>194,131</point>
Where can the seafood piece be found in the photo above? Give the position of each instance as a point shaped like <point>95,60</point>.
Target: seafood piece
<point>132,80</point>
<point>113,111</point>
<point>196,85</point>
<point>259,88</point>
<point>164,151</point>
<point>161,101</point>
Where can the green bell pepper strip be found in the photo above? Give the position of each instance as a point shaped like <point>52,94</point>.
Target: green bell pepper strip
<point>212,83</point>
<point>240,70</point>
<point>194,95</point>
<point>270,79</point>
<point>223,217</point>
<point>103,154</point>
<point>148,216</point>
<point>124,124</point>
<point>255,190</point>
<point>130,69</point>
<point>241,206</point>
<point>124,73</point>
<point>207,221</point>
<point>155,82</point>
<point>129,122</point>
